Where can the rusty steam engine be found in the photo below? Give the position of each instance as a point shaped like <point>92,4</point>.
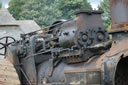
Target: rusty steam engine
<point>74,52</point>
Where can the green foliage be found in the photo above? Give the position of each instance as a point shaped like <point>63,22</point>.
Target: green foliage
<point>45,12</point>
<point>0,5</point>
<point>42,11</point>
<point>109,28</point>
<point>104,5</point>
<point>69,7</point>
<point>15,7</point>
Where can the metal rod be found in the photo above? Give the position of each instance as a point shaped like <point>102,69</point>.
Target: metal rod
<point>25,76</point>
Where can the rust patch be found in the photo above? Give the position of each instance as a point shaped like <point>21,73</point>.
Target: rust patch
<point>119,15</point>
<point>80,70</point>
<point>78,22</point>
<point>1,82</point>
<point>116,1</point>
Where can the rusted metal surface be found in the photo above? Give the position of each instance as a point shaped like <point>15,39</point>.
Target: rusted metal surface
<point>64,48</point>
<point>106,64</point>
<point>75,52</point>
<point>119,15</point>
<point>84,78</point>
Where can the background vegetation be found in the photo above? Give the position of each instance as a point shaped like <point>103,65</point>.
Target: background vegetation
<point>104,5</point>
<point>45,12</point>
<point>0,5</point>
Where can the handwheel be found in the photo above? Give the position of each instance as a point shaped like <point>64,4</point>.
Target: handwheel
<point>6,44</point>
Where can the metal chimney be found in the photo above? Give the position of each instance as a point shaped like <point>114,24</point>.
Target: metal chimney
<point>119,15</point>
<point>119,18</point>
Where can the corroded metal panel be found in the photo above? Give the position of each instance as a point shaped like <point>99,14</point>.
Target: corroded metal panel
<point>119,14</point>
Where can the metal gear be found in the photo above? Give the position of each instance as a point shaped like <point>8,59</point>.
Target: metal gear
<point>101,35</point>
<point>85,38</point>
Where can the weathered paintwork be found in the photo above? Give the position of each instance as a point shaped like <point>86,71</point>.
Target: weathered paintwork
<point>100,70</point>
<point>76,52</point>
<point>119,15</point>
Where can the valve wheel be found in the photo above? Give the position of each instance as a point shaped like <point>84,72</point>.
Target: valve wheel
<point>6,44</point>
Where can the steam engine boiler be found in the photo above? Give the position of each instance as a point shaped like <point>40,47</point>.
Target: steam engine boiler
<point>72,52</point>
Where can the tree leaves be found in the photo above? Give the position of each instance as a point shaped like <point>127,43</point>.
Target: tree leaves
<point>45,12</point>
<point>104,5</point>
<point>68,7</point>
<point>15,7</point>
<point>0,5</point>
